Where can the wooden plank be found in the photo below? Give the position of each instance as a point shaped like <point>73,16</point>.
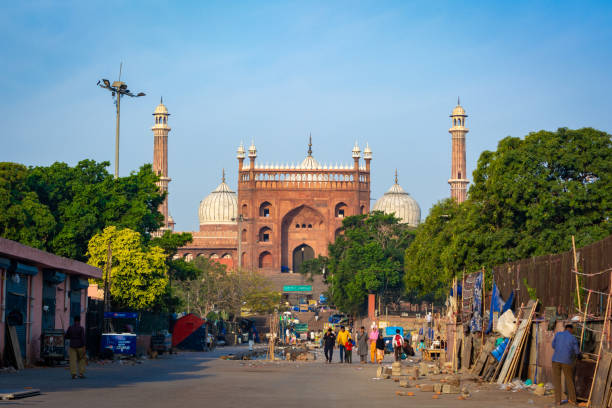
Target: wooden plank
<point>10,394</point>
<point>600,381</point>
<point>519,351</point>
<point>15,347</point>
<point>482,357</point>
<point>466,355</point>
<point>514,346</point>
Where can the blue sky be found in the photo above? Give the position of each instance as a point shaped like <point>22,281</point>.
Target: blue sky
<point>382,72</point>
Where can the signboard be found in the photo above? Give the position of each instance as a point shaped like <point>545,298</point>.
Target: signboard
<point>120,343</point>
<point>120,315</point>
<point>301,327</point>
<point>297,288</point>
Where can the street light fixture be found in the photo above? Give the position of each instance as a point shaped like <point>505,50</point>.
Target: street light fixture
<point>118,89</point>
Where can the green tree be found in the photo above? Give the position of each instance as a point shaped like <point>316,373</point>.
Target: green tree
<point>85,199</point>
<point>527,199</point>
<point>23,217</point>
<point>367,258</point>
<point>138,276</point>
<point>170,242</point>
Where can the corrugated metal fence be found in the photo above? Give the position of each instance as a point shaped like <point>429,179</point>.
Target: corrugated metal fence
<point>554,282</point>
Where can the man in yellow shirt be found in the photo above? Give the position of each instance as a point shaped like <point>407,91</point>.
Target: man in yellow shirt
<point>343,337</point>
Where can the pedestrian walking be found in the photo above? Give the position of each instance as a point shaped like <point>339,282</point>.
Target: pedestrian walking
<point>373,337</point>
<point>567,350</point>
<point>380,348</point>
<point>398,344</point>
<point>329,340</point>
<point>362,345</point>
<point>76,353</point>
<point>348,358</point>
<point>342,338</point>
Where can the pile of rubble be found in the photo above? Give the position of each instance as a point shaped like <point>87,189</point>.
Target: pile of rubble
<point>411,376</point>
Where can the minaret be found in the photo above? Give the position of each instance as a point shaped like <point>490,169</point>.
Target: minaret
<point>160,160</point>
<point>458,181</point>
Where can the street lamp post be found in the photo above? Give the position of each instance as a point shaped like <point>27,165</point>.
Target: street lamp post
<point>118,89</point>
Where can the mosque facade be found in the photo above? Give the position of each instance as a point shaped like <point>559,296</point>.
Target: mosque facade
<point>281,215</point>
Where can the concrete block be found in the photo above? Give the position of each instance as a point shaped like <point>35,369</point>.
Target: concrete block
<point>427,387</point>
<point>450,389</point>
<point>437,388</point>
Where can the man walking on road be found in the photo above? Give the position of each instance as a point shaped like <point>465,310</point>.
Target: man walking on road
<point>329,339</point>
<point>76,335</point>
<point>343,337</point>
<point>362,345</point>
<point>564,360</point>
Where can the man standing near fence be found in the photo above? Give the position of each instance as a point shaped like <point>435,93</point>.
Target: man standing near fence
<point>76,335</point>
<point>564,360</point>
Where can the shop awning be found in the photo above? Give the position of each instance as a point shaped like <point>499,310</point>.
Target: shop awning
<point>77,283</point>
<point>53,276</point>
<point>25,269</point>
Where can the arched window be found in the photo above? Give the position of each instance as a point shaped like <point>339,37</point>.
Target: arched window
<point>362,209</point>
<point>188,257</point>
<point>227,256</point>
<point>265,260</point>
<point>214,256</point>
<point>341,210</point>
<point>244,235</point>
<point>244,210</point>
<point>264,209</point>
<point>303,225</point>
<point>309,225</point>
<point>265,234</point>
<point>297,225</point>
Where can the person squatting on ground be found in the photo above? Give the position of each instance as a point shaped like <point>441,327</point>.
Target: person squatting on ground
<point>567,350</point>
<point>343,336</point>
<point>76,335</point>
<point>329,339</point>
<point>380,348</point>
<point>362,345</point>
<point>398,344</point>
<point>373,337</point>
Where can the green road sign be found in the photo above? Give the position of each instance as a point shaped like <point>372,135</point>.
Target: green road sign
<point>301,327</point>
<point>297,288</point>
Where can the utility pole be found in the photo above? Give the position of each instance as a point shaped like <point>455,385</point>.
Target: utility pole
<point>118,89</point>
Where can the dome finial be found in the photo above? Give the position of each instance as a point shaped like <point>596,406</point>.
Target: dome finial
<point>458,101</point>
<point>161,99</point>
<point>395,176</point>
<point>310,144</point>
<point>223,176</point>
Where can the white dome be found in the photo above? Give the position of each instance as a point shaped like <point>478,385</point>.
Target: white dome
<point>397,201</point>
<point>219,207</point>
<point>310,163</point>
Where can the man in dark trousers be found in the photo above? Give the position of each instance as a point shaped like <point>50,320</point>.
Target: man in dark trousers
<point>564,360</point>
<point>329,340</point>
<point>76,335</point>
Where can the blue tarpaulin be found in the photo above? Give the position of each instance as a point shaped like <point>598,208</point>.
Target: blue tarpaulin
<point>498,305</point>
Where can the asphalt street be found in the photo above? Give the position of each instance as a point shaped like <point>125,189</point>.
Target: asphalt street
<point>203,379</point>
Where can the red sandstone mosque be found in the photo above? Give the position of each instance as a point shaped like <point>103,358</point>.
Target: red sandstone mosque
<point>283,215</point>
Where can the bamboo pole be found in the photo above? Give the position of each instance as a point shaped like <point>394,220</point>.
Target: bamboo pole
<point>455,326</point>
<point>603,334</point>
<point>584,319</point>
<point>576,274</point>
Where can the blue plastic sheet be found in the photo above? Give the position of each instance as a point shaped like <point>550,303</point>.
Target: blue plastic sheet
<point>498,305</point>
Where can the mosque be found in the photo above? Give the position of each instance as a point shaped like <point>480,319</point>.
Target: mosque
<point>283,215</point>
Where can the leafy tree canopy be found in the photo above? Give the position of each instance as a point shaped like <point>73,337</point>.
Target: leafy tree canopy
<point>59,208</point>
<point>139,278</point>
<point>527,199</point>
<point>367,258</point>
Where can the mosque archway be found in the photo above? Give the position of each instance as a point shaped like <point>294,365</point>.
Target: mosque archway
<point>301,254</point>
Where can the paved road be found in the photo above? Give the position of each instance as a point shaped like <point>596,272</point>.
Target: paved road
<point>204,380</point>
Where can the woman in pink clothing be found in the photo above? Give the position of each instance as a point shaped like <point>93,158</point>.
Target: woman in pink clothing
<point>372,337</point>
